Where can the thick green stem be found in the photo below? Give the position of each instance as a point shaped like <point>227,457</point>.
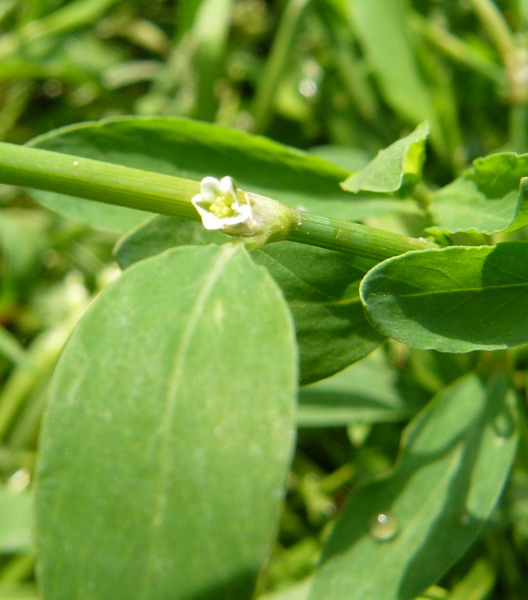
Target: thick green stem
<point>167,195</point>
<point>96,180</point>
<point>352,237</point>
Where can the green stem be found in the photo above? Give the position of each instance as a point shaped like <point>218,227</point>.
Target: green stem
<point>96,180</point>
<point>496,26</point>
<point>512,55</point>
<point>167,195</point>
<point>517,126</point>
<point>279,58</point>
<point>352,237</point>
<point>353,72</point>
<point>456,49</point>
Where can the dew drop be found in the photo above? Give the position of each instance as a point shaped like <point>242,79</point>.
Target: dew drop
<point>383,527</point>
<point>75,163</point>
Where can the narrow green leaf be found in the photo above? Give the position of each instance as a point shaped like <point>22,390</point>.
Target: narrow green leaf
<point>168,434</point>
<point>454,300</point>
<point>383,29</point>
<point>319,285</point>
<point>489,197</point>
<point>350,396</point>
<point>455,460</point>
<point>15,522</point>
<point>396,167</point>
<point>209,34</point>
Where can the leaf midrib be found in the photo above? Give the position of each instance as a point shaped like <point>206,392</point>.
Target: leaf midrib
<point>462,290</point>
<point>157,519</point>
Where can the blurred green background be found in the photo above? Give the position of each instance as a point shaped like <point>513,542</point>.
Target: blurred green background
<point>341,78</point>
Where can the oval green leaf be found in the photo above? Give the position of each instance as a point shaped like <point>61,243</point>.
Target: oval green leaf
<point>454,300</point>
<point>455,460</point>
<point>169,433</point>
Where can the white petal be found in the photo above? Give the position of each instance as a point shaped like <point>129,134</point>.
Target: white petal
<point>209,221</point>
<point>210,188</point>
<point>227,185</point>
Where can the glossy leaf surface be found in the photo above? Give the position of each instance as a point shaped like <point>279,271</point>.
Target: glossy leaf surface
<point>169,433</point>
<point>455,459</point>
<point>453,300</point>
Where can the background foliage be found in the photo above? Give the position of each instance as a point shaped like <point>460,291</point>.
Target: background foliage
<point>342,79</point>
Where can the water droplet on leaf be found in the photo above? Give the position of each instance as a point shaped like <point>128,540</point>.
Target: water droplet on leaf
<point>383,527</point>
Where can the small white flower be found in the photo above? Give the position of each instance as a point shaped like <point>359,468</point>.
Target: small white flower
<point>219,206</point>
<point>255,218</point>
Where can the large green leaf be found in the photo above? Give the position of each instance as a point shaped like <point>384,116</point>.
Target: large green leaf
<point>320,286</point>
<point>192,150</point>
<point>399,534</point>
<point>168,435</point>
<point>488,197</point>
<point>454,300</point>
<point>396,167</point>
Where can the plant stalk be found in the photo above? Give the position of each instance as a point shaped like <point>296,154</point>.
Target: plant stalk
<point>344,236</point>
<point>97,180</point>
<point>279,54</point>
<point>167,195</point>
<point>513,55</point>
